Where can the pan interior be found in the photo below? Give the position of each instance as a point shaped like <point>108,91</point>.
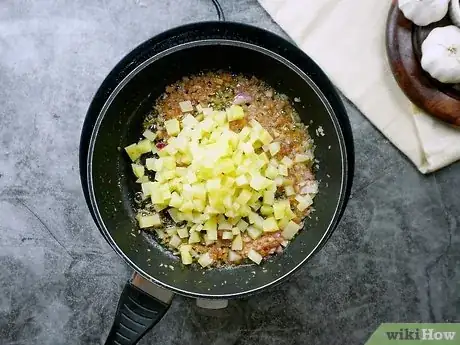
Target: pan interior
<point>112,184</point>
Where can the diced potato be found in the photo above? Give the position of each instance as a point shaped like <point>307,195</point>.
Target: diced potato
<point>270,225</point>
<point>182,232</point>
<point>143,179</point>
<point>279,180</point>
<point>259,222</point>
<point>148,187</point>
<point>149,221</point>
<point>303,202</point>
<point>300,158</point>
<point>186,106</point>
<point>144,146</point>
<point>265,137</point>
<point>191,177</point>
<point>207,111</point>
<point>244,133</point>
<point>154,164</point>
<point>255,205</point>
<point>175,215</point>
<point>185,248</point>
<point>172,127</point>
<point>169,163</point>
<point>279,209</point>
<point>255,257</point>
<point>189,121</point>
<point>176,200</point>
<point>287,161</point>
<point>194,237</point>
<point>274,148</point>
<point>160,207</point>
<point>269,197</point>
<point>289,190</point>
<point>224,225</point>
<point>235,112</point>
<point>199,204</point>
<point>211,224</point>
<point>213,185</point>
<point>225,166</point>
<point>175,241</point>
<point>186,257</point>
<point>254,232</point>
<point>227,235</point>
<point>242,225</point>
<point>160,233</point>
<point>244,197</point>
<point>171,231</point>
<point>247,148</point>
<point>138,170</point>
<point>205,260</point>
<point>237,243</point>
<point>266,210</point>
<point>290,230</point>
<point>187,206</point>
<point>148,134</point>
<point>283,170</point>
<point>259,182</point>
<point>241,180</point>
<point>212,234</point>
<point>228,181</point>
<point>255,197</point>
<point>133,152</point>
<point>264,158</point>
<point>221,117</point>
<point>236,231</point>
<point>234,220</point>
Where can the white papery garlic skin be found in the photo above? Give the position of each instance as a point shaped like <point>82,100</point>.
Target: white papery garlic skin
<point>441,54</point>
<point>424,12</point>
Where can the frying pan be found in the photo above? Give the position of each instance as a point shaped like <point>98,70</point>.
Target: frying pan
<point>114,120</point>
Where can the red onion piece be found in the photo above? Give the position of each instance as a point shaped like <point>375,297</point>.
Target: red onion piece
<point>160,145</point>
<point>242,98</point>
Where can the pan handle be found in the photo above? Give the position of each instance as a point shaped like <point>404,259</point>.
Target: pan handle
<point>138,311</point>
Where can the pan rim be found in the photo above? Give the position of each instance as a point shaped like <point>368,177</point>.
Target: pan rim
<point>191,44</point>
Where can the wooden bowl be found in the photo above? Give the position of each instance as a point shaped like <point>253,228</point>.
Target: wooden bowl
<point>404,41</point>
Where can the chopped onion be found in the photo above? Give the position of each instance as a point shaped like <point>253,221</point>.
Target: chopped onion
<point>254,256</point>
<point>310,188</point>
<point>205,260</point>
<point>242,98</point>
<point>232,256</point>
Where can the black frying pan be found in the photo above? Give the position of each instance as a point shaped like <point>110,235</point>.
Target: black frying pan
<point>114,121</point>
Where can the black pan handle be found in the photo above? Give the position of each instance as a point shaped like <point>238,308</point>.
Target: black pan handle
<point>137,312</point>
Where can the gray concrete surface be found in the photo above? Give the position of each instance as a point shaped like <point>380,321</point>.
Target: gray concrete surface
<point>395,256</point>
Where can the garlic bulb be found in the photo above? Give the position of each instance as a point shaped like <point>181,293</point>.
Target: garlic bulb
<point>441,54</point>
<point>424,12</point>
<point>454,12</point>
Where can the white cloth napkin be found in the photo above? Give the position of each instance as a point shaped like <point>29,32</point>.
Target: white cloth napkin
<point>347,39</point>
